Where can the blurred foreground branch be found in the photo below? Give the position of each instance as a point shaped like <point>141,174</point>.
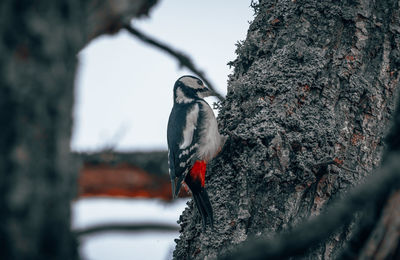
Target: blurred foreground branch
<point>184,60</point>
<point>139,227</point>
<point>107,17</point>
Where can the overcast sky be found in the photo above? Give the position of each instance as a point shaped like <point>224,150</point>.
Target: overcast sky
<point>124,88</point>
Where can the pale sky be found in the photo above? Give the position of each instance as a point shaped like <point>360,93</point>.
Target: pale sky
<point>124,87</point>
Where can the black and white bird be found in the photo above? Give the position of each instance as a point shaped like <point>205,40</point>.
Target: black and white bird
<point>193,140</point>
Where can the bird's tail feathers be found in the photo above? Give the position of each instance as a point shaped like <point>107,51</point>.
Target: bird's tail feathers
<point>203,205</point>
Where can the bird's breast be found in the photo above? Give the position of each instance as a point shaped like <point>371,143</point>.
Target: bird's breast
<point>210,139</point>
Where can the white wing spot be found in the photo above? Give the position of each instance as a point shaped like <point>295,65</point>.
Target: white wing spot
<point>194,146</point>
<point>190,158</point>
<point>191,124</point>
<point>184,153</point>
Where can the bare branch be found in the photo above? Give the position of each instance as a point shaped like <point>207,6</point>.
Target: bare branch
<point>184,60</point>
<point>137,227</point>
<point>334,162</point>
<point>107,17</point>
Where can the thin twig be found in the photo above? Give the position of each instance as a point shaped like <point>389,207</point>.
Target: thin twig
<point>345,168</point>
<point>140,227</point>
<point>184,60</point>
<point>334,162</point>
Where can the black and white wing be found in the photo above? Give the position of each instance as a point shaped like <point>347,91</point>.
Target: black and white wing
<point>183,137</point>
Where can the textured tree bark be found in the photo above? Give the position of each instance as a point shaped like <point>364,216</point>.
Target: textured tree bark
<point>38,47</point>
<point>307,109</point>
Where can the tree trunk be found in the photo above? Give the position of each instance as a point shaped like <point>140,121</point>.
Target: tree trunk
<point>39,44</point>
<point>38,62</point>
<point>307,109</point>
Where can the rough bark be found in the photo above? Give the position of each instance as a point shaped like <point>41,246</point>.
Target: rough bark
<point>378,237</point>
<point>307,109</point>
<point>38,47</point>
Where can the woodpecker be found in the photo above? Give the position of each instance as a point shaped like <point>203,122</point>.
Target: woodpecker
<point>193,140</point>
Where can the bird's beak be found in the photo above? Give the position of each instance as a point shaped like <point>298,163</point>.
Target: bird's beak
<point>206,93</point>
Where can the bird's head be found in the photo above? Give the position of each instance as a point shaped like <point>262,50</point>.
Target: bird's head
<point>188,88</point>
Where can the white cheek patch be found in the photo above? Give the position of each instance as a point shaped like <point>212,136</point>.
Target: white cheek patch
<point>191,124</point>
<point>181,98</point>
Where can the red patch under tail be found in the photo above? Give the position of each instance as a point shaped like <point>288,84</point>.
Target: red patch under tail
<point>198,172</point>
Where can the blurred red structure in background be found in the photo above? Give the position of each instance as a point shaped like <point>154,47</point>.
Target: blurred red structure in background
<point>126,175</point>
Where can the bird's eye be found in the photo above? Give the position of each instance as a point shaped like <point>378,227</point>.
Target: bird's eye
<point>200,82</point>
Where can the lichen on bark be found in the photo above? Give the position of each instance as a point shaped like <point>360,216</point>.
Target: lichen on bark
<point>314,81</point>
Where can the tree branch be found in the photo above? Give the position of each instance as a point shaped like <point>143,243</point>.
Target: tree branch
<point>334,162</point>
<point>140,227</point>
<point>184,60</point>
<point>107,17</point>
